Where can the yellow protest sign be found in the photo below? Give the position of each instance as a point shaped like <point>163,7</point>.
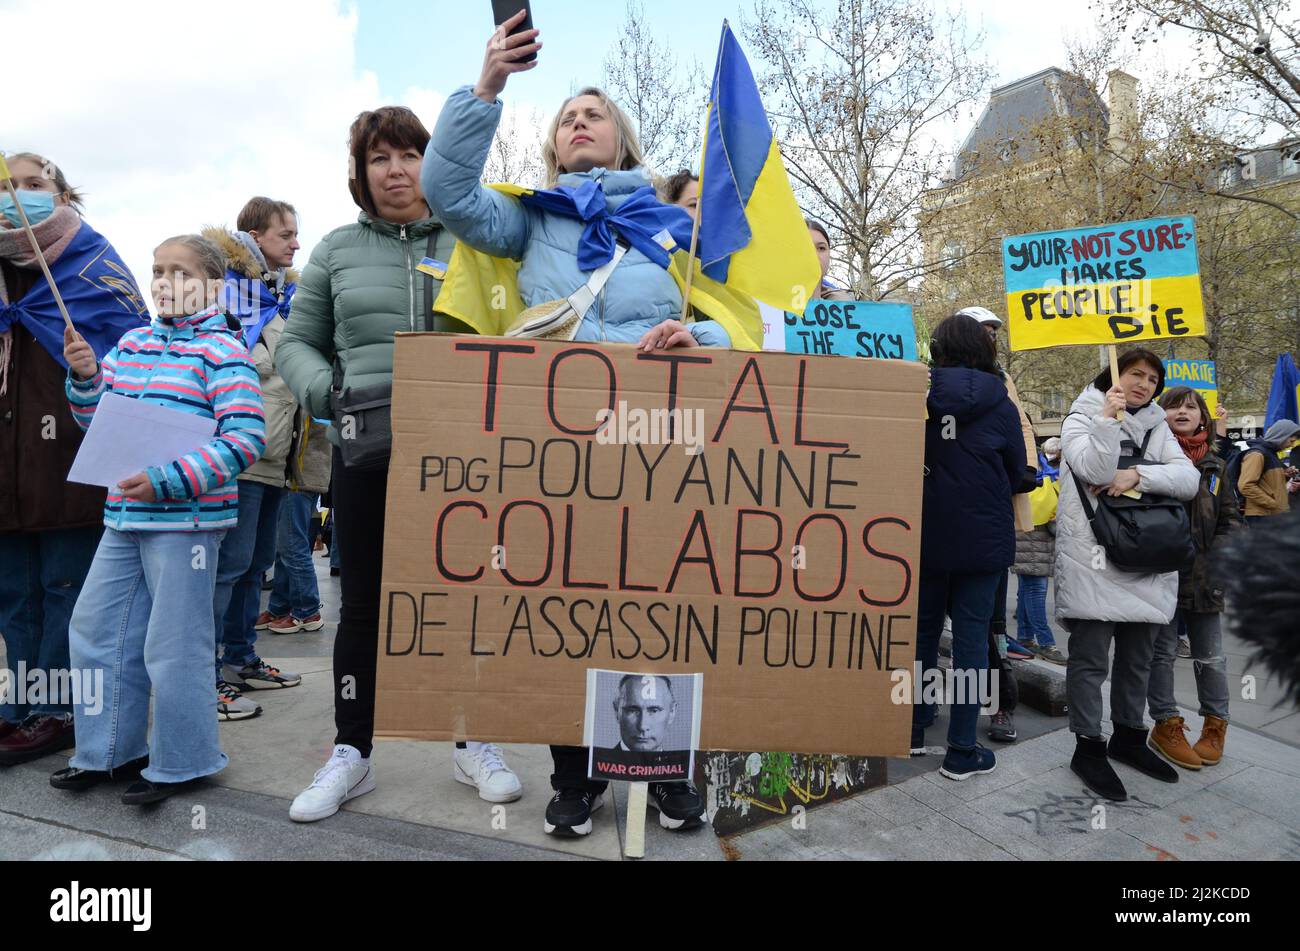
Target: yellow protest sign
<point>1137,280</point>
<point>1198,374</point>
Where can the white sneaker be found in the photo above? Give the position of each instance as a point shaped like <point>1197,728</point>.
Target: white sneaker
<point>483,765</point>
<point>346,776</point>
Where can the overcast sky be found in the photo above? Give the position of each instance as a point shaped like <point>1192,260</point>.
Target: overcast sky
<point>170,114</point>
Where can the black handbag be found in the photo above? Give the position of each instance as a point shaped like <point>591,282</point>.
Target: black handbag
<point>363,415</point>
<point>1147,535</point>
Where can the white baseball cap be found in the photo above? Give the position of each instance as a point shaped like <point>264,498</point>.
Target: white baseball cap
<point>983,315</point>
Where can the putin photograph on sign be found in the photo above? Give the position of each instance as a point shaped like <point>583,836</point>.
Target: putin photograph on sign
<point>642,727</point>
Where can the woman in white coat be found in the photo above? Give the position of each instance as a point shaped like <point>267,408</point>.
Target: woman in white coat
<point>1098,602</point>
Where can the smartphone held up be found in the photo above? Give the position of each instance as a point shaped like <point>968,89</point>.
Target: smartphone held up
<point>503,10</point>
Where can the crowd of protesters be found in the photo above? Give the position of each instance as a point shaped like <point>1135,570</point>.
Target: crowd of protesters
<point>111,580</point>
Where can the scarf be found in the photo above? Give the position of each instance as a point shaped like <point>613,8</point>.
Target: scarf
<point>1196,446</point>
<point>642,220</point>
<point>256,303</point>
<point>102,297</point>
<point>52,236</point>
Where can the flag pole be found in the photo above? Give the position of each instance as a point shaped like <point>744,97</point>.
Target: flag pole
<point>36,246</point>
<point>699,213</point>
<point>695,237</point>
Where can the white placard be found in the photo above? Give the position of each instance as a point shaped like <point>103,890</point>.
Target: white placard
<point>127,436</point>
<point>773,326</point>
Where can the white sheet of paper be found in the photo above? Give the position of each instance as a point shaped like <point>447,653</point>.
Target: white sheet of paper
<point>773,326</point>
<point>127,436</point>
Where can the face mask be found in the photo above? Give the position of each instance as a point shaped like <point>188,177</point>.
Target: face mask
<point>38,205</point>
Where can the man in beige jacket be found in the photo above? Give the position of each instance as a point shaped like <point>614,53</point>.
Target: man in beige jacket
<point>260,284</point>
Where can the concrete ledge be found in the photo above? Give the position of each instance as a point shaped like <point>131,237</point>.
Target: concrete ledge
<point>1042,685</point>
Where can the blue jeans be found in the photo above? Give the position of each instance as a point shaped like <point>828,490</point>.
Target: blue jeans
<point>136,621</point>
<point>247,551</point>
<point>40,581</point>
<point>1031,612</point>
<point>295,590</point>
<point>1208,665</point>
<point>968,600</point>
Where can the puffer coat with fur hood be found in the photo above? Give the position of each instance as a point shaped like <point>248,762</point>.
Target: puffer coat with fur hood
<point>243,275</point>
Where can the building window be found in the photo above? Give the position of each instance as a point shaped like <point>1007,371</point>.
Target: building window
<point>952,253</point>
<point>1055,404</point>
<point>1291,159</point>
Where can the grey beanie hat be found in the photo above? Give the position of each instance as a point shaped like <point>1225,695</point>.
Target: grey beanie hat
<point>1281,433</point>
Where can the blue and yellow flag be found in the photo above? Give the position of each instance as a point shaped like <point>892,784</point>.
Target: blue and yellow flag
<point>98,289</point>
<point>1284,392</point>
<point>752,235</point>
<point>482,291</point>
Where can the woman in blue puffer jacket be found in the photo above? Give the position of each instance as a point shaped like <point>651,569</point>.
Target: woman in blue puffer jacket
<point>590,141</point>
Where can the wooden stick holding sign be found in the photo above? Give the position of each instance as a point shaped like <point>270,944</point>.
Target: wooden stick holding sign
<point>638,796</point>
<point>36,246</point>
<point>1114,369</point>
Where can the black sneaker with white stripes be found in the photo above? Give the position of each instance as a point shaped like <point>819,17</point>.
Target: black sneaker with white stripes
<point>569,812</point>
<point>678,804</point>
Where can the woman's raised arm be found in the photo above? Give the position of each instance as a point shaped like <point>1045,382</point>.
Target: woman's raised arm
<point>451,177</point>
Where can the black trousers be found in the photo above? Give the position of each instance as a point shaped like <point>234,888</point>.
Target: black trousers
<point>1008,689</point>
<point>999,623</point>
<point>571,770</point>
<point>359,498</point>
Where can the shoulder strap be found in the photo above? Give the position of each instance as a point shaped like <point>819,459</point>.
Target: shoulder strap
<point>582,299</point>
<point>430,318</point>
<point>1142,449</point>
<point>1088,510</point>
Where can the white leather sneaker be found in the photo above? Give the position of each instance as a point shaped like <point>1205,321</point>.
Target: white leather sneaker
<point>483,765</point>
<point>346,776</point>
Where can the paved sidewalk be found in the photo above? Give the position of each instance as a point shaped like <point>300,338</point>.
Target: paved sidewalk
<point>1032,806</point>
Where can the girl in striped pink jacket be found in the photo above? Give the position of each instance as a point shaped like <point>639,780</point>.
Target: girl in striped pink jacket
<point>145,613</point>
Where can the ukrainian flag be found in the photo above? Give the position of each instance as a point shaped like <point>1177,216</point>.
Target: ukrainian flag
<point>482,292</point>
<point>753,238</point>
<point>1284,392</point>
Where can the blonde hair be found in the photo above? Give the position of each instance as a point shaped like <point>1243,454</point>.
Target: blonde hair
<point>627,149</point>
<point>210,257</point>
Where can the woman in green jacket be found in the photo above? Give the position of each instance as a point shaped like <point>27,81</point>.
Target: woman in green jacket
<point>362,285</point>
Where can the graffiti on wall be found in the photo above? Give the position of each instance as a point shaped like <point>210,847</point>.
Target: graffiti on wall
<point>746,789</point>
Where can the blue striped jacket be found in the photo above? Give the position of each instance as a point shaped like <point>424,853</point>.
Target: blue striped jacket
<point>199,365</point>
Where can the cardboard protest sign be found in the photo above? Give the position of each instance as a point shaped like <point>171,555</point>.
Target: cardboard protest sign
<point>870,329</point>
<point>878,331</point>
<point>559,507</point>
<point>1138,280</point>
<point>1198,374</point>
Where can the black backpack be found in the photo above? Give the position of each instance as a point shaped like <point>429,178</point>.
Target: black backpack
<point>1147,535</point>
<point>1231,476</point>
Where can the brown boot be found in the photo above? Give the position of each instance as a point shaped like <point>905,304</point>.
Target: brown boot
<point>1210,746</point>
<point>1167,739</point>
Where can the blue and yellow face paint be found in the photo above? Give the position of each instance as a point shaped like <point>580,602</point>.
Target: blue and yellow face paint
<point>1137,280</point>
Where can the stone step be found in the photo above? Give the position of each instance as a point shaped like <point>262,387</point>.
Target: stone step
<point>1042,685</point>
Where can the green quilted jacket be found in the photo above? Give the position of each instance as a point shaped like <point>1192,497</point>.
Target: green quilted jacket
<point>360,287</point>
